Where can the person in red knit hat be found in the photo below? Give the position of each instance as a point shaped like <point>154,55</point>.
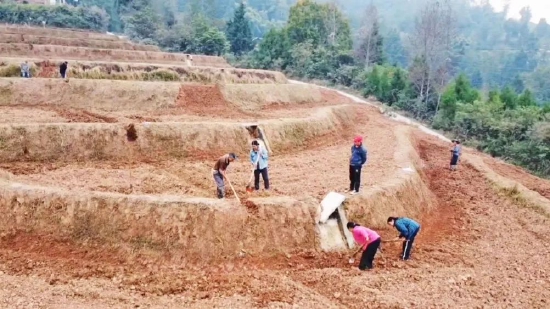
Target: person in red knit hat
<point>357,160</point>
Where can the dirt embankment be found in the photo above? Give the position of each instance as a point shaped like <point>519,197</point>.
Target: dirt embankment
<point>98,54</point>
<point>58,32</point>
<point>532,182</point>
<point>62,41</point>
<point>121,70</point>
<point>470,235</point>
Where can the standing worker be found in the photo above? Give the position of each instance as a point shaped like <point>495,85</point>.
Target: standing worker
<point>258,159</point>
<point>25,70</point>
<point>219,172</point>
<point>356,161</point>
<point>368,241</point>
<point>408,229</point>
<point>63,69</point>
<point>456,152</point>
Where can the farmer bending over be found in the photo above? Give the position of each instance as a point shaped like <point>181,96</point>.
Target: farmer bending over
<point>258,159</point>
<point>368,241</point>
<point>408,229</point>
<point>456,151</point>
<point>219,172</point>
<point>356,161</point>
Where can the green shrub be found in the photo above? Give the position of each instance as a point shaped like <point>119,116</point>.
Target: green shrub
<point>55,16</point>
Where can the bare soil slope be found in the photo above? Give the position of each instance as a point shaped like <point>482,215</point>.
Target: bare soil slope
<point>476,250</point>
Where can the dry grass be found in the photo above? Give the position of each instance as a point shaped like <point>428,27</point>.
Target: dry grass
<point>144,72</point>
<point>109,141</point>
<point>96,54</point>
<point>208,230</point>
<point>509,187</point>
<point>291,133</point>
<point>254,98</point>
<point>62,41</point>
<point>89,94</point>
<point>58,32</point>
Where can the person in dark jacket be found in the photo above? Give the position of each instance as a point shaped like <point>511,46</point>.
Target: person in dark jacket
<point>356,161</point>
<point>408,229</point>
<point>456,152</point>
<point>219,170</point>
<point>63,69</point>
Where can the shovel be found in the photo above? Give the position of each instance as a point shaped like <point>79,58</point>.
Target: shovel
<point>249,186</point>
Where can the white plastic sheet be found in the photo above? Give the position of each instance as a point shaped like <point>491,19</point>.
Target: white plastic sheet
<point>329,204</point>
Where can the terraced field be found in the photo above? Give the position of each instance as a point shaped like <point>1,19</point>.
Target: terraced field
<point>108,200</point>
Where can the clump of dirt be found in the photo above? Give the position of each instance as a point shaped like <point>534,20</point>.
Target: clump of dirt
<point>131,133</point>
<point>250,206</point>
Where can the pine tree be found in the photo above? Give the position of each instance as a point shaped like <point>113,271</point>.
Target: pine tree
<point>238,32</point>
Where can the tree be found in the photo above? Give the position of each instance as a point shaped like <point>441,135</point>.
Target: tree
<point>212,42</point>
<point>432,41</point>
<point>321,24</point>
<point>509,98</point>
<point>274,51</point>
<point>371,44</point>
<point>144,24</point>
<point>238,32</point>
<point>526,99</point>
<point>394,50</point>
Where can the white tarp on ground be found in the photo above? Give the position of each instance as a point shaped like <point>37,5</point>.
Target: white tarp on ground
<point>329,204</point>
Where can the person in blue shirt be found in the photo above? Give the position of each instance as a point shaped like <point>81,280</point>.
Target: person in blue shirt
<point>356,161</point>
<point>258,159</point>
<point>408,229</point>
<point>456,152</point>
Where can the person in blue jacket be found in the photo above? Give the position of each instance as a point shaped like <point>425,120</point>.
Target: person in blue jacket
<point>408,229</point>
<point>456,153</point>
<point>356,161</point>
<point>259,160</point>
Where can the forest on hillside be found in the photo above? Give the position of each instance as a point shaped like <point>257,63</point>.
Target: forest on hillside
<point>461,67</point>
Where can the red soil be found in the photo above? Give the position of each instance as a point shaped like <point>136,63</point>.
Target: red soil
<point>472,238</point>
<point>205,100</point>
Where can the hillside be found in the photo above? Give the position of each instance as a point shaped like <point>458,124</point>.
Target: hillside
<point>108,199</point>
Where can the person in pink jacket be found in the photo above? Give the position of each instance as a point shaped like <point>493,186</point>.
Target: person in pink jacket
<point>368,241</point>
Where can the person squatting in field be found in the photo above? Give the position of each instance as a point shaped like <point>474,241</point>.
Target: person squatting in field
<point>258,159</point>
<point>408,229</point>
<point>456,153</point>
<point>368,241</point>
<point>356,161</point>
<point>219,171</point>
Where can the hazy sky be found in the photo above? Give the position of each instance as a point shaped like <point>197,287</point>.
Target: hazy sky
<point>540,8</point>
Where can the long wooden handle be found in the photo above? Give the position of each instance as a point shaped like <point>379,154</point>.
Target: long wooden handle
<point>234,192</point>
